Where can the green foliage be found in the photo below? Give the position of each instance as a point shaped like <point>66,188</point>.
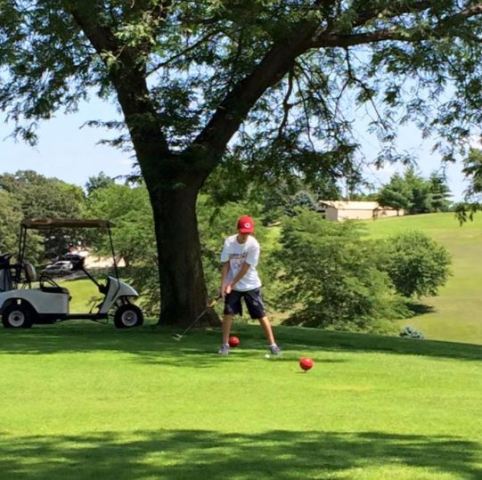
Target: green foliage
<point>330,276</point>
<point>412,193</point>
<point>473,173</point>
<point>416,264</point>
<point>42,197</point>
<point>194,55</point>
<point>10,217</point>
<point>130,211</point>
<point>98,181</point>
<point>36,196</point>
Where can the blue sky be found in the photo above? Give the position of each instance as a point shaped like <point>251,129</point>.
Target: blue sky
<point>73,154</point>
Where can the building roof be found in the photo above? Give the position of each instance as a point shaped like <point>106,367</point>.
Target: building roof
<point>349,205</point>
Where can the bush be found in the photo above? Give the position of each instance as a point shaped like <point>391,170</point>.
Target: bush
<point>410,332</point>
<point>331,277</point>
<point>416,264</point>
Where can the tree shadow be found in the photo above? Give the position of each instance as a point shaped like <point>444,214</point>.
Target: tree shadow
<point>417,308</point>
<point>201,454</point>
<point>157,346</point>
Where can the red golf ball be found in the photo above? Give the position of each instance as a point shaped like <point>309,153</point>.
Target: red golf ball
<point>306,363</point>
<point>233,341</point>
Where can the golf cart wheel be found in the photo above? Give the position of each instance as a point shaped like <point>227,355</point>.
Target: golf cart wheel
<point>17,316</point>
<point>128,316</point>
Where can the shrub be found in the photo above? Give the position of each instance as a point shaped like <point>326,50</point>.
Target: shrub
<point>410,332</point>
<point>330,276</point>
<point>416,264</point>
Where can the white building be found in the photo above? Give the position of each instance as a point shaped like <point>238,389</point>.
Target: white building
<point>346,210</point>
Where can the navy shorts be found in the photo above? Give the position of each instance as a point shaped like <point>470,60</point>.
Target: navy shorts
<point>254,303</point>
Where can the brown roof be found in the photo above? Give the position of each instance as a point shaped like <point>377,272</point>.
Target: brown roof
<point>47,223</point>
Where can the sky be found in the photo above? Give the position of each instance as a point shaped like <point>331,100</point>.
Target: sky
<point>71,153</point>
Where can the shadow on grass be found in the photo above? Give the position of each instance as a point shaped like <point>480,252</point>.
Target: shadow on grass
<point>419,308</point>
<point>200,454</point>
<point>157,346</point>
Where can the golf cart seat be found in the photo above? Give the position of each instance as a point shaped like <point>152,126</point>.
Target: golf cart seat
<point>50,286</point>
<point>52,289</point>
<point>46,283</point>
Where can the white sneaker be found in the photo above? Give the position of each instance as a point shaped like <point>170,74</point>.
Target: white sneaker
<point>224,350</point>
<point>275,350</point>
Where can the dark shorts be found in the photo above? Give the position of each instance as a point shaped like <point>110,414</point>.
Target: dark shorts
<point>254,303</point>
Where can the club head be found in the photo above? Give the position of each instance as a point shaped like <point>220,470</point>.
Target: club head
<point>177,337</point>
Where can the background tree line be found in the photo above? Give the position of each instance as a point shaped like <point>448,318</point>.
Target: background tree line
<point>319,273</point>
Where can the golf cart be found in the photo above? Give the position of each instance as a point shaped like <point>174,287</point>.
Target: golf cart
<point>23,302</point>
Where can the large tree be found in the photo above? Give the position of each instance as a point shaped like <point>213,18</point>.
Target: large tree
<point>275,81</point>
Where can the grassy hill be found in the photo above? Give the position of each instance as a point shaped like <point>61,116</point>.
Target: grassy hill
<point>457,311</point>
<point>87,401</point>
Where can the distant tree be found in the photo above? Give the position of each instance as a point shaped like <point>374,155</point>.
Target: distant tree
<point>397,194</point>
<point>10,217</point>
<point>439,193</point>
<point>416,264</point>
<point>415,194</point>
<point>473,172</point>
<point>41,197</point>
<point>129,210</point>
<point>98,181</point>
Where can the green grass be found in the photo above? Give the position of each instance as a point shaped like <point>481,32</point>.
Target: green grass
<point>87,401</point>
<point>457,311</point>
<point>84,294</point>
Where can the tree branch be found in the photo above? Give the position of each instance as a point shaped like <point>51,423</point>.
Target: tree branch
<point>183,52</point>
<point>332,39</point>
<point>286,105</point>
<point>128,77</point>
<point>241,98</point>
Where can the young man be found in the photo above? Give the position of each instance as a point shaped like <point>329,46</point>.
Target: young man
<point>239,279</point>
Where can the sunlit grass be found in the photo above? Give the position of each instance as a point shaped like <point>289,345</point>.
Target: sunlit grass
<point>82,401</point>
<point>457,311</point>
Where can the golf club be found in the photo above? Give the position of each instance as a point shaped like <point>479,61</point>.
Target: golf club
<point>178,336</point>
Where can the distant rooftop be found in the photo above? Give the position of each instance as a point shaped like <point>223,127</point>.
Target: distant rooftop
<point>349,205</point>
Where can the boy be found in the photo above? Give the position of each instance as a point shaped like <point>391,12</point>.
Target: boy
<point>239,279</point>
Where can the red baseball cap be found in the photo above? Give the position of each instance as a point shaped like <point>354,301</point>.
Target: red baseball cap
<point>245,224</point>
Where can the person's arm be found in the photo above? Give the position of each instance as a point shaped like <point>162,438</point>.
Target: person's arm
<point>226,288</point>
<point>224,275</point>
<point>242,272</point>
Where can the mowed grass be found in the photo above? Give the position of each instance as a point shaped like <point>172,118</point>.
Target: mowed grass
<point>86,401</point>
<point>457,311</point>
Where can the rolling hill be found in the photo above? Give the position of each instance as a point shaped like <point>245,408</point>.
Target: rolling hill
<point>457,311</point>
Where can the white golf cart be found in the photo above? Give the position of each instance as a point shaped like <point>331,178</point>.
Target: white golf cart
<point>22,304</point>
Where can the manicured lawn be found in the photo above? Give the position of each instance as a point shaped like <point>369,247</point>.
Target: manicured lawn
<point>86,401</point>
<point>457,311</point>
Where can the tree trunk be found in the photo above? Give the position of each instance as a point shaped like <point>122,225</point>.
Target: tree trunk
<point>183,291</point>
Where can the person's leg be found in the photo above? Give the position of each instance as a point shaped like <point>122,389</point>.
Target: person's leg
<point>267,329</point>
<point>256,309</point>
<point>227,322</point>
<point>232,307</point>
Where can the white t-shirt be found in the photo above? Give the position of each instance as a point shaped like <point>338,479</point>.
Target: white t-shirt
<point>237,254</point>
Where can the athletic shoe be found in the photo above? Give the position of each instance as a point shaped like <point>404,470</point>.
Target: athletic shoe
<point>274,349</point>
<point>224,350</point>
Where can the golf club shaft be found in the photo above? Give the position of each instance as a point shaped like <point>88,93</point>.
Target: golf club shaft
<point>211,305</point>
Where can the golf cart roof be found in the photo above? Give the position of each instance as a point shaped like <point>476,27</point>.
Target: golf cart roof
<point>48,223</point>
